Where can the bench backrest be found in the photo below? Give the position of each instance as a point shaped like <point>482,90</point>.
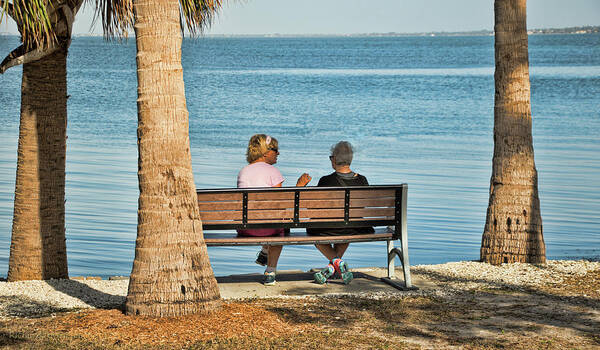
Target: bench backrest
<point>303,207</point>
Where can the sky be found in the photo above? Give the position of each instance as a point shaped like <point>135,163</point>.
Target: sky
<point>370,16</point>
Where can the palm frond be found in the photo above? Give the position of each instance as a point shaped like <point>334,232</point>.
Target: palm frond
<point>33,21</point>
<point>7,8</point>
<point>116,16</point>
<point>198,14</point>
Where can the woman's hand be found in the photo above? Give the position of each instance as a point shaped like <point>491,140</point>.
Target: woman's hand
<point>303,180</point>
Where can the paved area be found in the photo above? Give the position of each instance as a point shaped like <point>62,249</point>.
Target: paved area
<point>301,283</point>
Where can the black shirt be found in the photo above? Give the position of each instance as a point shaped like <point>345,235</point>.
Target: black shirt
<point>340,179</point>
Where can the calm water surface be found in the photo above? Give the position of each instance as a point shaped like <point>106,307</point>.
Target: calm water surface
<point>418,109</point>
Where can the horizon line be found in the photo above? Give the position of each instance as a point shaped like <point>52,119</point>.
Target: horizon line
<point>586,29</point>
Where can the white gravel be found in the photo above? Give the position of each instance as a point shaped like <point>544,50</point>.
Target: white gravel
<point>36,298</point>
<point>41,298</point>
<point>470,275</point>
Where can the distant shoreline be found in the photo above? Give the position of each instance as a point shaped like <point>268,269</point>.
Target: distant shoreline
<point>542,31</point>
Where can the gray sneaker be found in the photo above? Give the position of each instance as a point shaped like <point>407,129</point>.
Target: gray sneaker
<point>322,276</point>
<point>269,279</point>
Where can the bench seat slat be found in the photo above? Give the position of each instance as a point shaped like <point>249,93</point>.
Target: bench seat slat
<point>296,239</point>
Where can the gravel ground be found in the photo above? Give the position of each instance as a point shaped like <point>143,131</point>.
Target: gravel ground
<point>38,298</point>
<point>475,275</point>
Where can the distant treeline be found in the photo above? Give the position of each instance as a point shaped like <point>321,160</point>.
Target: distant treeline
<point>569,30</point>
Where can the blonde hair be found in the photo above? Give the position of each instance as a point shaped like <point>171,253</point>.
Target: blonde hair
<point>258,146</point>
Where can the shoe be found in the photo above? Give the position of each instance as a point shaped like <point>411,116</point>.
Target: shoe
<point>261,258</point>
<point>269,279</point>
<point>341,268</point>
<point>322,276</point>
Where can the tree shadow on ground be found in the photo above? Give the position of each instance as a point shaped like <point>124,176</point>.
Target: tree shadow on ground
<point>300,283</point>
<point>11,339</point>
<point>494,311</point>
<point>531,304</point>
<point>20,306</point>
<point>88,295</point>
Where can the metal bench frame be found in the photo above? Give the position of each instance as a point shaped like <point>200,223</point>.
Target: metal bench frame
<point>398,221</point>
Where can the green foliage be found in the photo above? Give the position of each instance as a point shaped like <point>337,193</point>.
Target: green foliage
<point>32,19</point>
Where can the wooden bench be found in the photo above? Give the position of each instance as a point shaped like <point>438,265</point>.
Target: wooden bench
<point>309,207</point>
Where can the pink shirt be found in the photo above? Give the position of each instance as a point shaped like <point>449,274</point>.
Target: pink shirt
<point>259,174</point>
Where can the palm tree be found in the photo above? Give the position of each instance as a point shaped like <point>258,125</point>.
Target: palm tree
<point>513,228</point>
<point>171,273</point>
<point>38,248</point>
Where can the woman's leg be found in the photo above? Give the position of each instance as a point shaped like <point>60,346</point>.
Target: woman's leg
<point>274,252</point>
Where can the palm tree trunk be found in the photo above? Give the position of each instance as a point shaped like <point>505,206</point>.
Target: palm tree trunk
<point>38,248</point>
<point>171,273</point>
<point>513,228</point>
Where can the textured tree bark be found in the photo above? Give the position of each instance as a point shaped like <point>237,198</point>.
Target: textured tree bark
<point>38,248</point>
<point>171,273</point>
<point>513,228</point>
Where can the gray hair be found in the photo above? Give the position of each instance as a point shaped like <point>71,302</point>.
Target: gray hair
<point>342,152</point>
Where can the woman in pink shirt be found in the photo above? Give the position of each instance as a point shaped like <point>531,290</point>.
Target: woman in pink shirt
<point>261,154</point>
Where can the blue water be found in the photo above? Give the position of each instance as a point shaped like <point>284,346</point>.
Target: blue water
<point>418,109</point>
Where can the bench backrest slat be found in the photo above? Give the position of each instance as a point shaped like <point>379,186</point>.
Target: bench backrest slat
<point>333,194</point>
<point>217,197</point>
<point>271,204</point>
<point>260,196</point>
<point>217,206</point>
<point>372,194</point>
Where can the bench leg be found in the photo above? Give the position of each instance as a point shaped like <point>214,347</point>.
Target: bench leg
<point>391,257</point>
<point>404,259</point>
<point>402,254</point>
